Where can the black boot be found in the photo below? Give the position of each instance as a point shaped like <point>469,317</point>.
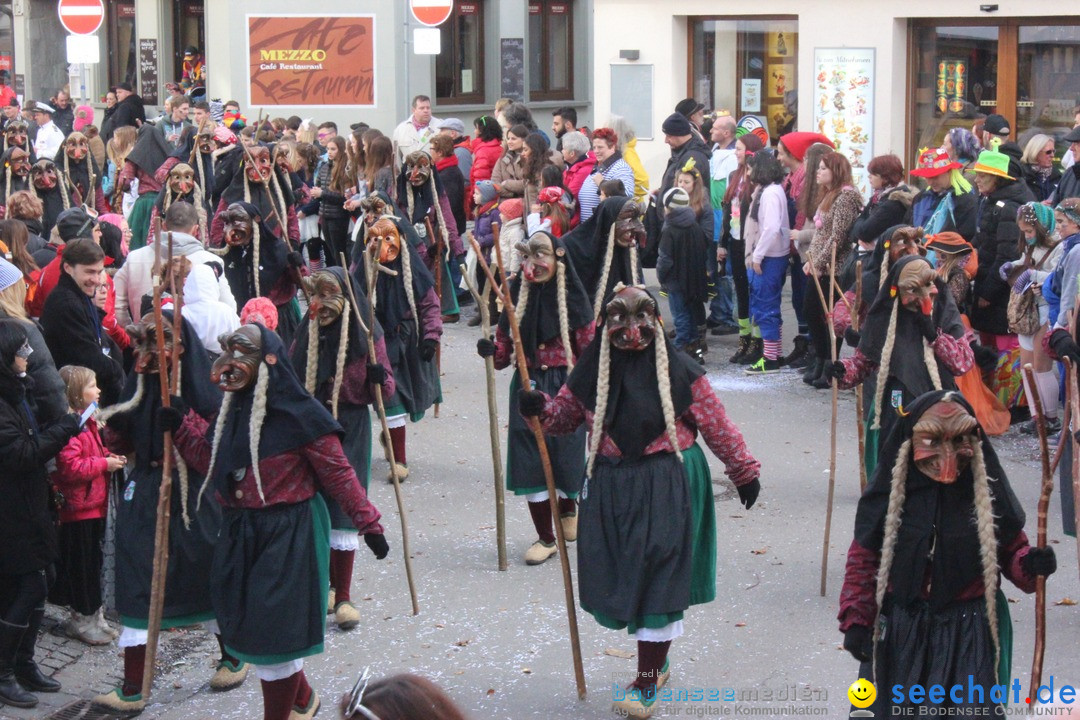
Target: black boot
<point>27,671</point>
<point>11,692</point>
<point>800,356</point>
<point>744,347</point>
<point>823,381</point>
<point>755,353</point>
<point>813,369</point>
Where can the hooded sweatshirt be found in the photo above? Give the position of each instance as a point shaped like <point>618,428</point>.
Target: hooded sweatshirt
<point>680,265</point>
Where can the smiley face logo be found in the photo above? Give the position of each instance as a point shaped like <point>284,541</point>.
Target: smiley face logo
<point>862,693</point>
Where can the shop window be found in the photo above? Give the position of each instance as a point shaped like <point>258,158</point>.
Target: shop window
<point>188,26</point>
<point>747,67</point>
<point>121,45</point>
<point>459,68</point>
<point>1026,70</point>
<point>551,57</point>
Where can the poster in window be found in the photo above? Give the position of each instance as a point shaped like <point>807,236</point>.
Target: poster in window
<point>844,105</point>
<point>780,79</point>
<point>750,95</point>
<point>781,42</point>
<point>311,60</point>
<point>951,84</point>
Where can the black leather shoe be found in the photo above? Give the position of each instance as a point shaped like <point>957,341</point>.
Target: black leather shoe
<point>31,678</point>
<point>13,694</point>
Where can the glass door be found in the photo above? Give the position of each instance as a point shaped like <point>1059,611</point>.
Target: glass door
<point>1048,81</point>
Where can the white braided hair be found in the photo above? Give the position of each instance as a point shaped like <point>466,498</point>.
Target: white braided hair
<point>929,359</point>
<point>442,229</point>
<point>258,416</point>
<point>406,272</point>
<point>663,382</point>
<point>339,372</point>
<point>126,406</point>
<point>219,429</point>
<point>564,318</point>
<point>603,382</point>
<point>311,371</point>
<point>609,254</point>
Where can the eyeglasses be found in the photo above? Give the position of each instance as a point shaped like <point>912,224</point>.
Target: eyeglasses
<point>1048,152</point>
<point>323,135</point>
<point>356,697</point>
<point>24,351</point>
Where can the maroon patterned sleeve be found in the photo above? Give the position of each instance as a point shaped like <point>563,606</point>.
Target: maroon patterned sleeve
<point>1009,560</point>
<point>563,414</point>
<point>841,316</point>
<point>192,444</point>
<point>582,337</point>
<point>858,605</point>
<point>956,354</point>
<point>857,368</point>
<point>721,434</point>
<point>337,477</point>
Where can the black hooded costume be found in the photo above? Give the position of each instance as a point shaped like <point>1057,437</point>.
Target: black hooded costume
<point>424,209</point>
<point>11,183</point>
<point>587,245</point>
<point>934,622</point>
<point>187,585</point>
<point>541,339</point>
<point>55,200</point>
<point>83,179</point>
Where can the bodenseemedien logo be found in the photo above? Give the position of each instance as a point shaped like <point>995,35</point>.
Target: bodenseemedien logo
<point>862,694</point>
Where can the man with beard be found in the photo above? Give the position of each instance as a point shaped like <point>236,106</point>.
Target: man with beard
<point>259,264</point>
<point>604,248</point>
<point>647,540</point>
<point>271,448</point>
<point>555,316</point>
<point>82,176</point>
<point>331,355</point>
<point>16,173</point>
<point>921,602</point>
<point>408,311</point>
<point>46,185</point>
<point>133,427</point>
<point>424,201</point>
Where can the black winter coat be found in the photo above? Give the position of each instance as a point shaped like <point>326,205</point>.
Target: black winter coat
<point>882,214</point>
<point>1068,185</point>
<point>72,329</point>
<point>64,118</point>
<point>996,242</point>
<point>127,112</point>
<point>27,530</point>
<point>693,148</point>
<point>453,183</point>
<point>331,203</point>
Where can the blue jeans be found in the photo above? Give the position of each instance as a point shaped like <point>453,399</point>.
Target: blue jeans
<point>683,315</point>
<point>722,305</point>
<point>765,296</point>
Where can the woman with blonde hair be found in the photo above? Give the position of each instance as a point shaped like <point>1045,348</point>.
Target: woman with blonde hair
<point>1039,171</point>
<point>627,144</point>
<point>120,145</point>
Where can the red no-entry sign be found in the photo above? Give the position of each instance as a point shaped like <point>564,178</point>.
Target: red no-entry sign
<point>81,17</point>
<point>431,12</point>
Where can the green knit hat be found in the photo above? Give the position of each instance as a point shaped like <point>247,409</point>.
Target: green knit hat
<point>993,161</point>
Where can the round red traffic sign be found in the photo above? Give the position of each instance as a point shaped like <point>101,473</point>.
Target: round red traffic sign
<point>431,12</point>
<point>81,17</point>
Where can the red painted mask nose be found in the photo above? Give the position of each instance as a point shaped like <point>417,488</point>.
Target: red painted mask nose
<point>927,305</point>
<point>949,467</point>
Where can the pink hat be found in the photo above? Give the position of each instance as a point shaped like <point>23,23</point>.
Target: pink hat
<point>511,209</point>
<point>224,135</point>
<point>260,310</point>
<point>84,115</point>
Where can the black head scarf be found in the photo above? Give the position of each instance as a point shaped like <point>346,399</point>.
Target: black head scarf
<point>872,270</point>
<point>240,265</point>
<point>17,183</point>
<point>391,302</point>
<point>937,516</point>
<point>199,393</point>
<point>634,417</point>
<point>906,365</point>
<point>587,246</point>
<point>150,150</point>
<point>330,336</point>
<point>293,417</point>
<point>78,175</point>
<point>422,198</point>
<point>540,323</point>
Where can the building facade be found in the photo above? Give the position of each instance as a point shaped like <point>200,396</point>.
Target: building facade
<point>876,77</point>
<point>346,62</point>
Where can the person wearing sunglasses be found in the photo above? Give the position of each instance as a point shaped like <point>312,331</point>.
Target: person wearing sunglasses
<point>1039,170</point>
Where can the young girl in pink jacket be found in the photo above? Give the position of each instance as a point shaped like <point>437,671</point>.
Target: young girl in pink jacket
<point>81,478</point>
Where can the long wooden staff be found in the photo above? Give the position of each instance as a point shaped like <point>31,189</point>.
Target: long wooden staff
<point>835,399</point>
<point>493,418</point>
<point>1046,488</point>
<point>164,505</point>
<point>437,239</point>
<point>859,424</point>
<point>545,458</point>
<point>381,409</point>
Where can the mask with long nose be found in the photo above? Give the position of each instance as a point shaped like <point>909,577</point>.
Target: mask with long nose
<point>326,301</point>
<point>418,167</point>
<point>76,146</point>
<point>181,179</point>
<point>537,258</point>
<point>43,174</point>
<point>629,228</point>
<point>144,335</point>
<point>943,442</point>
<point>632,322</point>
<point>241,352</point>
<point>916,287</point>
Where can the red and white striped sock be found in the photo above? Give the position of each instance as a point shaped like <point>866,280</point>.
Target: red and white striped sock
<point>772,349</point>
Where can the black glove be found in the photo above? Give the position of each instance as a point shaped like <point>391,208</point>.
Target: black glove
<point>378,545</point>
<point>835,370</point>
<point>295,259</point>
<point>985,357</point>
<point>748,493</point>
<point>852,337</point>
<point>1039,561</point>
<point>427,349</point>
<point>859,641</point>
<point>433,250</point>
<point>171,418</point>
<point>926,327</point>
<point>1064,346</point>
<point>531,402</point>
<point>376,374</point>
<point>485,348</point>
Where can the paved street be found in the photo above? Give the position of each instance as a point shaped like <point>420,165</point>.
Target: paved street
<point>497,641</point>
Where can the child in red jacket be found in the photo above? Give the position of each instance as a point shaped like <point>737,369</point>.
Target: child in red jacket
<point>82,472</point>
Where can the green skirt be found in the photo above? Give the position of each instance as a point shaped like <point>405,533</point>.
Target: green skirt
<point>703,550</point>
<point>139,219</point>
